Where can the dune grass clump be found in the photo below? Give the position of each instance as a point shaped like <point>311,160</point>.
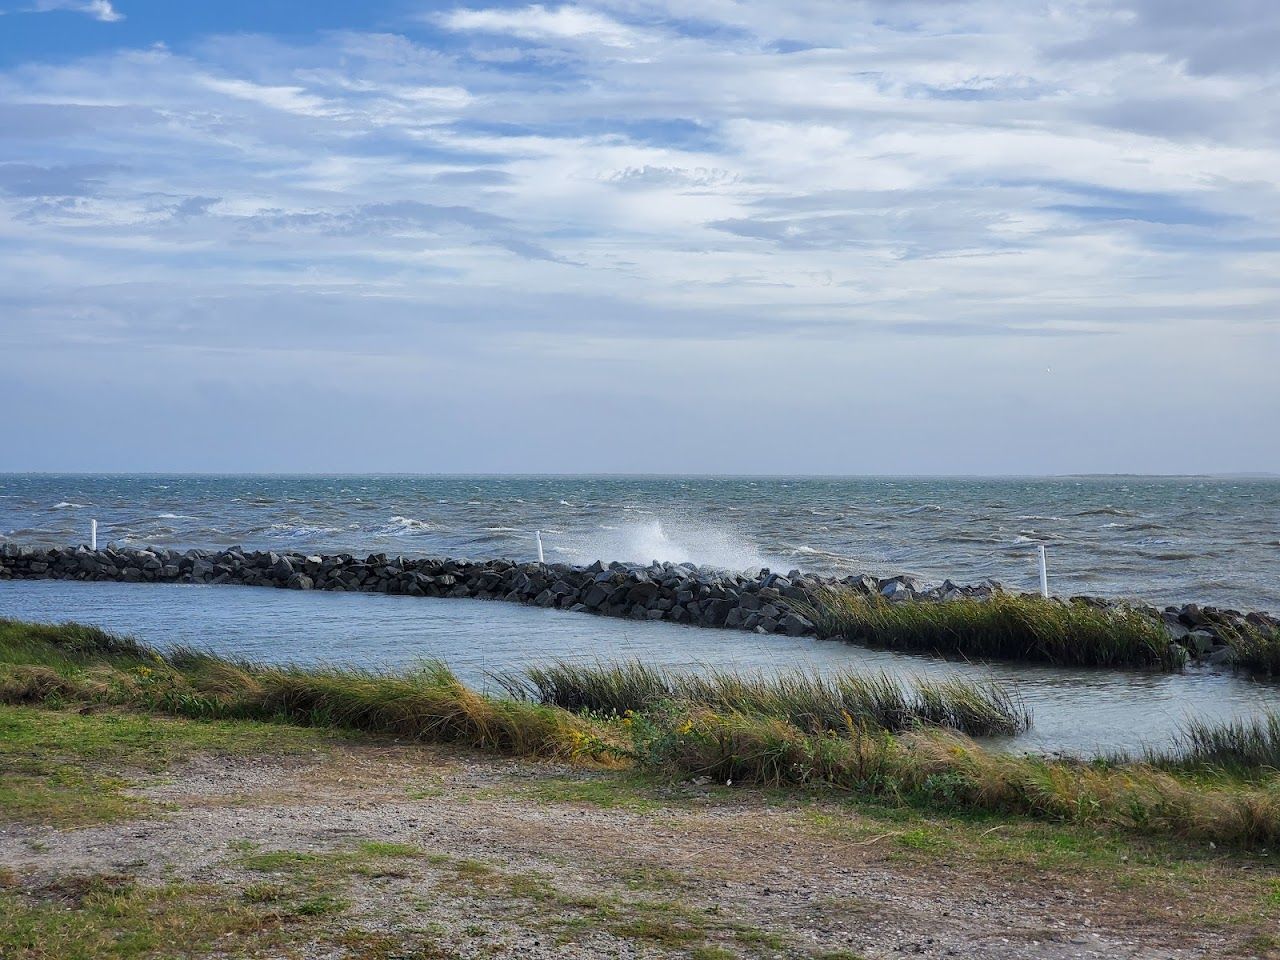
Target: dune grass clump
<point>27,641</point>
<point>811,701</point>
<point>1244,748</point>
<point>1004,627</point>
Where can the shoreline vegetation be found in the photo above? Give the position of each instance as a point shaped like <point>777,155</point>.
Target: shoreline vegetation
<point>1000,627</point>
<point>980,621</point>
<point>860,737</point>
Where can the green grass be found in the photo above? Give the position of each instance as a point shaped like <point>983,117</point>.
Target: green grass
<point>1002,627</point>
<point>734,743</point>
<point>104,917</point>
<point>613,793</point>
<point>69,769</point>
<point>814,702</point>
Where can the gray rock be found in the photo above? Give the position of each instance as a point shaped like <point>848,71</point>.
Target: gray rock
<point>1201,642</point>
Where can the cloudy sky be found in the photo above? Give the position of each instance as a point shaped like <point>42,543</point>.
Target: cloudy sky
<point>909,236</point>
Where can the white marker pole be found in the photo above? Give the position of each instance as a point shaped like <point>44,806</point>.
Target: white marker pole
<point>1044,574</point>
<point>541,558</point>
<point>93,534</point>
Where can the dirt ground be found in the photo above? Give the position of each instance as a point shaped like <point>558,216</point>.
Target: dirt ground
<point>433,852</point>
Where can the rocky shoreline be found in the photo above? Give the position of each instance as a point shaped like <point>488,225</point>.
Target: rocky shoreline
<point>764,602</point>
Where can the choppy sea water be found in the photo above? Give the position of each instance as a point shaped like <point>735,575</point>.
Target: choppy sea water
<point>1164,539</point>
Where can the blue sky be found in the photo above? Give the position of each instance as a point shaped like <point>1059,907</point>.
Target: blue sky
<point>923,236</point>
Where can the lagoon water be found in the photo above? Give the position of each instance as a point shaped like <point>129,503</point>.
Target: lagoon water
<point>1076,711</point>
<point>1203,539</point>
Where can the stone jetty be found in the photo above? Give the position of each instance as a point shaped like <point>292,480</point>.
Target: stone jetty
<point>763,602</point>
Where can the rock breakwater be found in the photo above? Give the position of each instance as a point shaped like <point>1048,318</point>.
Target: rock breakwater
<point>763,602</point>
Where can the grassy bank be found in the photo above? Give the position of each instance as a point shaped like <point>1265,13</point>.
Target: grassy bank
<point>1002,627</point>
<point>723,734</point>
<point>73,663</point>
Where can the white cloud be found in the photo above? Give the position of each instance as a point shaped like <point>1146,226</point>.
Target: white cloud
<point>287,98</point>
<point>98,9</point>
<point>537,22</point>
<point>817,182</point>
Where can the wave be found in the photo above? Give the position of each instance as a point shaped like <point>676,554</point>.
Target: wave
<point>68,505</point>
<point>400,525</point>
<point>673,541</point>
<point>279,530</point>
<point>174,516</point>
<point>1104,512</point>
<point>823,558</point>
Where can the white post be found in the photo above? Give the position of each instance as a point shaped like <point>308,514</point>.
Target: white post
<point>1044,574</point>
<point>93,534</point>
<point>541,558</point>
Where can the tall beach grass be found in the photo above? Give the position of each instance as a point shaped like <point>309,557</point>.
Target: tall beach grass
<point>747,732</point>
<point>1256,649</point>
<point>1246,747</point>
<point>1003,627</point>
<point>812,702</point>
<point>71,663</point>
<point>947,771</point>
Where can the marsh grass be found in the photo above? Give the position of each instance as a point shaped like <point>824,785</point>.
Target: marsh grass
<point>1004,626</point>
<point>1246,748</point>
<point>813,702</point>
<point>738,741</point>
<point>430,704</point>
<point>1256,649</point>
<point>946,771</point>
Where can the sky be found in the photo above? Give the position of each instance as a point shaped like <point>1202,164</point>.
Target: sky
<point>906,237</point>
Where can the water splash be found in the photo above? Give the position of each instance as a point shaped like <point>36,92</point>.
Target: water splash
<point>673,541</point>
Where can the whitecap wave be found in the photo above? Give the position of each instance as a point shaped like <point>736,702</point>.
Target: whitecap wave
<point>400,525</point>
<point>68,505</point>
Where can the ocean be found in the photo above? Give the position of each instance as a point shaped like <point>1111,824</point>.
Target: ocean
<point>1162,539</point>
